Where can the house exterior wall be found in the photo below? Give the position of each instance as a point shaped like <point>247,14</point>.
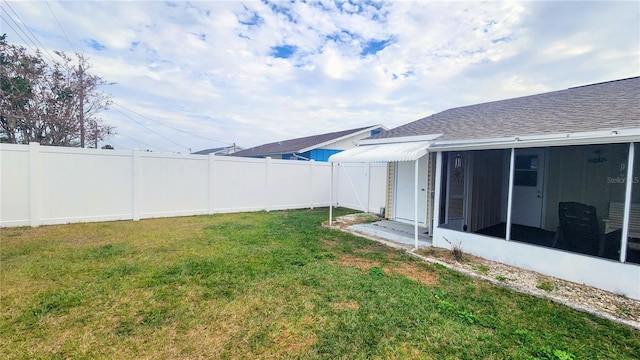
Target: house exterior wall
<point>390,189</point>
<point>320,154</point>
<point>605,274</point>
<point>391,170</point>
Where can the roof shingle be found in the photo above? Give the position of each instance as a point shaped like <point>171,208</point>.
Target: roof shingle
<point>609,105</point>
<point>295,145</point>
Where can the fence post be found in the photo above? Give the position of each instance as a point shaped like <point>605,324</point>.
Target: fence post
<point>368,187</point>
<point>135,193</point>
<point>311,188</point>
<point>266,183</point>
<point>337,191</point>
<point>34,184</point>
<point>212,183</point>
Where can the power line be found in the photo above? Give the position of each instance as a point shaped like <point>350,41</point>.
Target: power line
<point>44,49</point>
<point>172,127</point>
<point>60,26</point>
<point>138,141</point>
<point>144,126</point>
<point>17,33</point>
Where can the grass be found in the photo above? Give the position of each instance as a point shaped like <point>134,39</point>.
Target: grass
<point>482,269</point>
<point>265,285</point>
<point>545,284</point>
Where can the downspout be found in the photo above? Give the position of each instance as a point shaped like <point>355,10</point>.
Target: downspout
<point>300,157</point>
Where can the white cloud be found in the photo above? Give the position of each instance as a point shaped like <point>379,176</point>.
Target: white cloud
<point>206,67</point>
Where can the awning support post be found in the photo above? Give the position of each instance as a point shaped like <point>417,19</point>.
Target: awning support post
<point>415,205</point>
<point>331,197</point>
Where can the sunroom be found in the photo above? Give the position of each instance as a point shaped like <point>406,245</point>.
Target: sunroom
<point>566,206</point>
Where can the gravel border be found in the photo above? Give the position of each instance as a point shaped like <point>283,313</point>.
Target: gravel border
<point>526,282</point>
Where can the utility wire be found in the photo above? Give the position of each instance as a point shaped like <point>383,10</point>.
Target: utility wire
<point>144,126</point>
<point>138,141</point>
<point>17,33</point>
<point>171,127</point>
<point>44,49</point>
<point>60,26</point>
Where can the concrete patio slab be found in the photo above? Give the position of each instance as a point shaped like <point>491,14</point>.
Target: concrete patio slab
<point>394,232</point>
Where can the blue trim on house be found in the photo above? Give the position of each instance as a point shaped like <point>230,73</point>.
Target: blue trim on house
<point>320,154</point>
<point>315,154</point>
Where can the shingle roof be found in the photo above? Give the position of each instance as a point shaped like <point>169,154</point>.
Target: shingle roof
<point>295,145</point>
<point>208,151</point>
<point>224,150</point>
<point>609,105</point>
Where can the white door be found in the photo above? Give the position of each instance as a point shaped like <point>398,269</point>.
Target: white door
<point>528,189</point>
<point>405,188</point>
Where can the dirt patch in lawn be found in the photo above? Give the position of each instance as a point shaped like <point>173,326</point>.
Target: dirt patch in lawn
<point>410,271</point>
<point>345,305</point>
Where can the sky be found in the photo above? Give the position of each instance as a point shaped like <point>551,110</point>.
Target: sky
<point>194,75</point>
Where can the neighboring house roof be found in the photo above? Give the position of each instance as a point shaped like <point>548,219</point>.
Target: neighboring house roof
<point>602,106</point>
<point>303,144</point>
<point>219,150</point>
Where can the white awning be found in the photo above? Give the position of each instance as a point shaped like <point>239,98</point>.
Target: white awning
<point>407,151</point>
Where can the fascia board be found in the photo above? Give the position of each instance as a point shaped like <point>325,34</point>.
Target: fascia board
<point>401,139</point>
<point>341,138</point>
<point>587,138</point>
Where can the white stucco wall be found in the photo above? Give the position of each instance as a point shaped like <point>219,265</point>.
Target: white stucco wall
<point>605,274</point>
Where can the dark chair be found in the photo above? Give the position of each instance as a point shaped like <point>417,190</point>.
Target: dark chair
<point>579,231</point>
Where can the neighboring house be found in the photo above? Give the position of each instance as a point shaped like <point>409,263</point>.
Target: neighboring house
<point>547,182</point>
<point>227,150</point>
<point>316,147</point>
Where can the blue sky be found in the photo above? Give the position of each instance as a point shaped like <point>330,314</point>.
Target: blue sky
<point>196,75</point>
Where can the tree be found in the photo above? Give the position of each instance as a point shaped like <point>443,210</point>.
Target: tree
<point>53,104</point>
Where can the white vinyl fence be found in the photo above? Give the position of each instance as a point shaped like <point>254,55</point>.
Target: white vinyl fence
<point>361,186</point>
<point>42,185</point>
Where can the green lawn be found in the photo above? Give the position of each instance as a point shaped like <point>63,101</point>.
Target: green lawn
<point>265,285</point>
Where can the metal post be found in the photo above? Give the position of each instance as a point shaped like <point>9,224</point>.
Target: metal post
<point>331,196</point>
<point>437,198</point>
<point>415,205</point>
<point>509,204</point>
<point>368,187</point>
<point>627,204</point>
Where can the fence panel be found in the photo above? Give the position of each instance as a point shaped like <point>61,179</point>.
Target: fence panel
<point>172,185</point>
<point>42,185</point>
<point>362,186</point>
<point>14,185</point>
<point>80,186</point>
<point>289,184</point>
<point>239,184</point>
